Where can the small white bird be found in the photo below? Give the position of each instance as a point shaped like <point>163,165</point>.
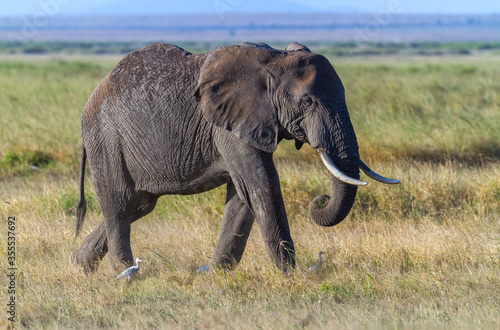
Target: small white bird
<point>203,269</point>
<point>129,272</point>
<point>315,267</point>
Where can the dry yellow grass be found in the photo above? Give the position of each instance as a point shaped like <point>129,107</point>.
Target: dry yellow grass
<point>437,266</point>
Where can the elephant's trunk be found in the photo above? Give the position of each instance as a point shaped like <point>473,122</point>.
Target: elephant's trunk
<point>339,152</point>
<point>328,211</point>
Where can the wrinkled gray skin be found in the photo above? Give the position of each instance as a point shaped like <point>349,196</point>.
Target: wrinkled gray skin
<point>166,121</point>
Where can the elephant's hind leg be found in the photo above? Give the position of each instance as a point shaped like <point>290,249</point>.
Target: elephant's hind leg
<point>92,250</point>
<point>120,213</point>
<point>114,234</point>
<point>118,233</point>
<point>236,227</point>
<point>95,246</point>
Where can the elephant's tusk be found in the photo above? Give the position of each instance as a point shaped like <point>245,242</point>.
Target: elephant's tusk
<point>376,176</point>
<point>336,172</point>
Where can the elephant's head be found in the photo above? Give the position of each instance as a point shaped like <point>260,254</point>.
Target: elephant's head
<point>263,95</point>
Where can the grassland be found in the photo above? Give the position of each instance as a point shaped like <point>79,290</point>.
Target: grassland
<point>422,254</point>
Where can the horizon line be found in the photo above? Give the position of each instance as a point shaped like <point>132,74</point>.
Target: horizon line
<point>69,14</point>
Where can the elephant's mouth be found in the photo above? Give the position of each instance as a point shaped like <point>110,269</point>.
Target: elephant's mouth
<point>337,173</point>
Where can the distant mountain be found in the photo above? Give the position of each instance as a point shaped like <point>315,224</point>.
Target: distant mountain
<point>155,7</point>
<point>147,7</point>
<point>304,26</point>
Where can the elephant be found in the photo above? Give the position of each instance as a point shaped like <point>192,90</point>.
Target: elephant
<point>167,121</point>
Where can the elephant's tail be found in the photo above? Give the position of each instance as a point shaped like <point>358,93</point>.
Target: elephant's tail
<point>82,204</point>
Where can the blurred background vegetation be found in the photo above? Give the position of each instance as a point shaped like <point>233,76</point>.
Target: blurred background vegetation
<point>421,48</point>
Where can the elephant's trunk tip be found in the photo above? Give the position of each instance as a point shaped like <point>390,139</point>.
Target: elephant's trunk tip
<point>327,212</point>
<point>320,202</point>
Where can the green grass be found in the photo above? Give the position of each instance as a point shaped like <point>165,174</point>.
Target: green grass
<point>418,255</point>
<point>427,111</point>
<point>41,105</point>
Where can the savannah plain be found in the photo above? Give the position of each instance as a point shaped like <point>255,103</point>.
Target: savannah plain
<point>425,253</point>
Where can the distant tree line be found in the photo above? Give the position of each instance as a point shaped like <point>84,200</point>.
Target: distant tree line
<point>324,47</point>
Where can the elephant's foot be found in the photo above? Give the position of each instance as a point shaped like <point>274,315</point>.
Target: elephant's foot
<point>92,250</point>
<point>89,260</point>
<point>286,257</point>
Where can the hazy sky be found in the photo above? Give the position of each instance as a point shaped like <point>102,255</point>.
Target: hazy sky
<point>30,7</point>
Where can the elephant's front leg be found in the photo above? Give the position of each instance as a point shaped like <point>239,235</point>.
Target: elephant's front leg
<point>257,183</point>
<point>236,227</point>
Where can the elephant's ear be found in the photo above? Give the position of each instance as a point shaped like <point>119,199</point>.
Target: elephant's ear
<point>233,92</point>
<point>296,47</point>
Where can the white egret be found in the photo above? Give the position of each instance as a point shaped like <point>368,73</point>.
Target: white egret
<point>203,269</point>
<point>129,272</point>
<point>315,267</point>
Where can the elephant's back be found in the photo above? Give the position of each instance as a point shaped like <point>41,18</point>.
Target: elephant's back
<point>158,67</point>
<point>145,80</point>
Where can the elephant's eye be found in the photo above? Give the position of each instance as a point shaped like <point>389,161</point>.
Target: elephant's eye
<point>306,102</point>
